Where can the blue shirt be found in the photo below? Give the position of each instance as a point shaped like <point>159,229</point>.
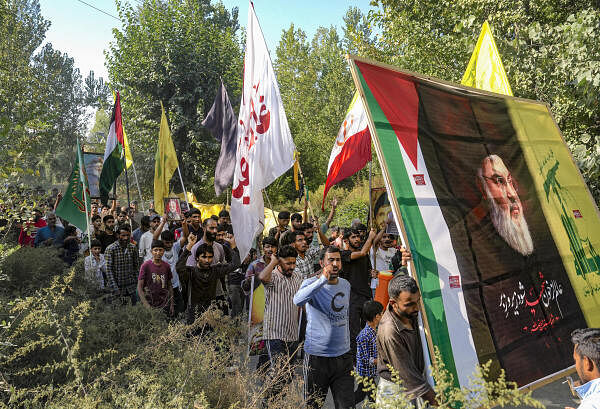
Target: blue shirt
<point>366,352</point>
<point>327,330</point>
<point>45,233</point>
<point>590,394</point>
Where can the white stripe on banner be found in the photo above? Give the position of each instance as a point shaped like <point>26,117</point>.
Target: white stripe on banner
<point>461,339</point>
<point>111,141</point>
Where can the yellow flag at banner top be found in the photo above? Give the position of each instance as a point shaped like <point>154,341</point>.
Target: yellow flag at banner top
<point>166,163</point>
<point>485,70</point>
<point>128,157</point>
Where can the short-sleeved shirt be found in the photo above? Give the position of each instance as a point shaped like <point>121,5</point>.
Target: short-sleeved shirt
<point>157,278</point>
<point>358,273</point>
<point>281,314</point>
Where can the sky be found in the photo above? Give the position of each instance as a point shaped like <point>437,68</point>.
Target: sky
<point>85,33</point>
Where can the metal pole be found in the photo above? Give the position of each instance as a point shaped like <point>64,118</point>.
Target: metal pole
<point>127,188</point>
<point>183,187</point>
<point>138,187</point>
<point>87,219</point>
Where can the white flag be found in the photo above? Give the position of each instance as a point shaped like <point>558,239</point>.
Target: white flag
<point>265,148</point>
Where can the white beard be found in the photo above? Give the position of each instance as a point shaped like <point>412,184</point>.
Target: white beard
<point>515,233</point>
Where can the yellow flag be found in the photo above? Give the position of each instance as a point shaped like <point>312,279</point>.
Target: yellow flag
<point>166,163</point>
<point>485,70</point>
<point>128,157</point>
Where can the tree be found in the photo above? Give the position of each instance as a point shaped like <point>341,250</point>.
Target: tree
<point>174,51</point>
<point>316,88</point>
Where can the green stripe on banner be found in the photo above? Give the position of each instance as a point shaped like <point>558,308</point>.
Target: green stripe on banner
<point>418,239</point>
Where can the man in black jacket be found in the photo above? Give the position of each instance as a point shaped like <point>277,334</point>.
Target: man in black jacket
<point>200,282</point>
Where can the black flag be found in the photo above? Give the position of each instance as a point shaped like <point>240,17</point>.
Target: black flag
<point>223,125</point>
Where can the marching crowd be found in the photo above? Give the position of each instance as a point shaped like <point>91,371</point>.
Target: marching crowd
<point>319,283</point>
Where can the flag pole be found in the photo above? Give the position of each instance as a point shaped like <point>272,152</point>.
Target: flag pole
<point>183,187</point>
<point>306,187</point>
<point>87,219</point>
<point>270,205</point>
<point>138,187</point>
<point>127,187</point>
<point>372,222</point>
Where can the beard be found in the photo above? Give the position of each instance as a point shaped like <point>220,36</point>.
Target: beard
<point>211,236</point>
<point>514,232</point>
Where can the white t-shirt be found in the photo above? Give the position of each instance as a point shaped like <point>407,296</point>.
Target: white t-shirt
<point>145,245</point>
<point>383,258</point>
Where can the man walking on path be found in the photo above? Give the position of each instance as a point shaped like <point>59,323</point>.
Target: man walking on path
<point>123,265</point>
<point>327,358</point>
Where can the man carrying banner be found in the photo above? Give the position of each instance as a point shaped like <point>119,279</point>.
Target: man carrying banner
<point>399,344</point>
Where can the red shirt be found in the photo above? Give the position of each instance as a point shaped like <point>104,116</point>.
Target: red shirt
<point>157,281</point>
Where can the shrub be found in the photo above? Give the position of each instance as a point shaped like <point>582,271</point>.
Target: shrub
<point>28,268</point>
<point>482,392</point>
<point>65,350</point>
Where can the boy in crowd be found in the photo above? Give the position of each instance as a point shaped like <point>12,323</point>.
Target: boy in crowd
<point>95,266</point>
<point>154,285</point>
<point>200,281</point>
<point>96,226</point>
<point>145,242</point>
<point>171,257</point>
<point>270,245</point>
<point>366,347</point>
<point>283,220</point>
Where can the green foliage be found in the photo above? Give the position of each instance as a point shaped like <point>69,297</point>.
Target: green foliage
<point>481,393</point>
<point>27,267</point>
<point>174,51</point>
<point>42,104</point>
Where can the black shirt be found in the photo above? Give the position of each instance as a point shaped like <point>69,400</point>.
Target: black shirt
<point>358,273</point>
<point>106,239</point>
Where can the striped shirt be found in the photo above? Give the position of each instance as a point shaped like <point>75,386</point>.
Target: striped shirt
<point>281,315</point>
<point>306,266</point>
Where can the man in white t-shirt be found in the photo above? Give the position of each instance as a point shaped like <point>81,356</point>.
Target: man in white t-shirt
<point>145,244</point>
<point>384,251</point>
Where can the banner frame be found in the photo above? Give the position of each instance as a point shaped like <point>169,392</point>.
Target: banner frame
<point>394,203</point>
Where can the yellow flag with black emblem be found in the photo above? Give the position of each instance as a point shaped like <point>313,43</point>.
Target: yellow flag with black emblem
<point>166,163</point>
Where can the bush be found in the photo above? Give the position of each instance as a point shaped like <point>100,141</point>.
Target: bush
<point>65,350</point>
<point>28,268</point>
<point>481,393</point>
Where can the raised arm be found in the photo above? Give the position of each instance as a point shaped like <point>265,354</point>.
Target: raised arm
<point>308,291</point>
<point>324,239</point>
<point>266,274</point>
<point>366,247</point>
<point>159,229</point>
<point>331,212</point>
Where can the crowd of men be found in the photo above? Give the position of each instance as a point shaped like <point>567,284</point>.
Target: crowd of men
<point>319,283</point>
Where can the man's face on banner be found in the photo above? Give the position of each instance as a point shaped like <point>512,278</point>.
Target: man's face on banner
<point>506,210</point>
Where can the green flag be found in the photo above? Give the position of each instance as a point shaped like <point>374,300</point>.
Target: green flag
<point>75,201</point>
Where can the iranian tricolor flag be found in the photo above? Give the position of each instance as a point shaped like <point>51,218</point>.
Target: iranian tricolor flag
<point>114,163</point>
<point>352,147</point>
<point>503,231</point>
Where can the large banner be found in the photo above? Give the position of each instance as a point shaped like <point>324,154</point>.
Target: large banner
<point>501,226</point>
<point>93,167</point>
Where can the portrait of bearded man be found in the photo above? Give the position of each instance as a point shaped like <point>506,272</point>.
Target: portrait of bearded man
<point>517,297</point>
